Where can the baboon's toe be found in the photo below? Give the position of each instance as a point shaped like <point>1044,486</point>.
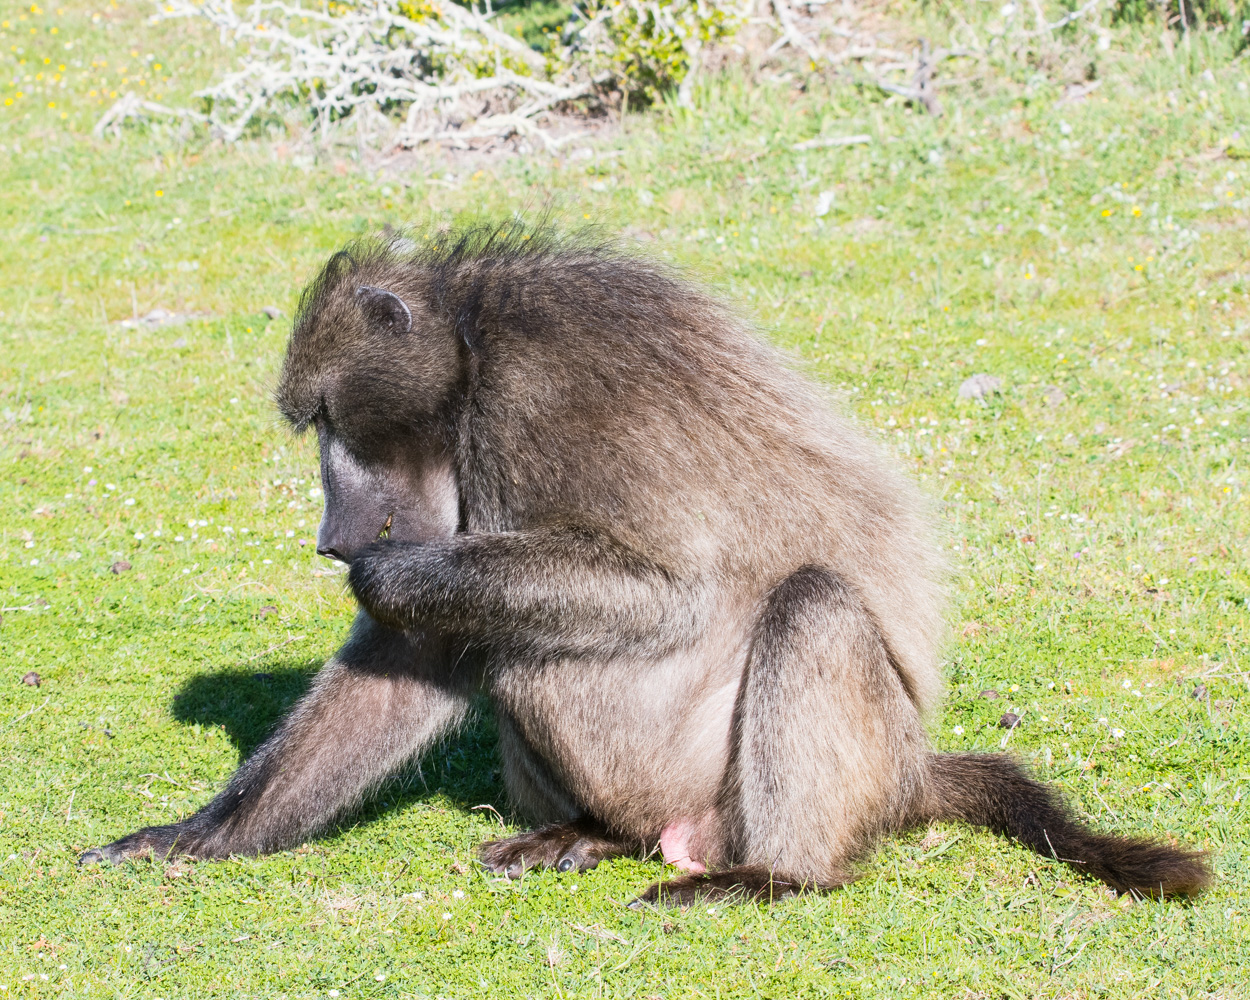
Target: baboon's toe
<point>114,853</point>
<point>513,856</point>
<point>565,847</point>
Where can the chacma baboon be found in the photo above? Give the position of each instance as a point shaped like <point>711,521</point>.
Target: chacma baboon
<point>704,608</point>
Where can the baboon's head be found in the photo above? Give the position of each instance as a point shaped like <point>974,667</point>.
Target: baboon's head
<point>370,367</point>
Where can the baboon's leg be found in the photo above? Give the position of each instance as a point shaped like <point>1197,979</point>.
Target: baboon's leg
<point>828,748</point>
<point>568,841</point>
<point>381,700</point>
<point>533,790</point>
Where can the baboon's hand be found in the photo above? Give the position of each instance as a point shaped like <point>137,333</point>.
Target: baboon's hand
<point>153,841</point>
<point>379,576</point>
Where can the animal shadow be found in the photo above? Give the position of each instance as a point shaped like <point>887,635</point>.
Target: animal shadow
<point>248,704</point>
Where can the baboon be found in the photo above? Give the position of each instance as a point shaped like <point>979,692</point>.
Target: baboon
<point>705,609</point>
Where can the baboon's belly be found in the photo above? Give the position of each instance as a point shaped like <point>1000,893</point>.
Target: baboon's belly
<point>638,744</point>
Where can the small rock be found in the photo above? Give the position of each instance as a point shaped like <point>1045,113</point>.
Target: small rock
<point>273,312</point>
<point>180,342</point>
<point>979,386</point>
<point>989,693</point>
<point>157,318</point>
<point>119,567</point>
<point>1100,428</point>
<point>1200,691</point>
<point>266,611</point>
<point>1053,395</point>
<point>1009,721</point>
<point>40,602</point>
<point>31,679</point>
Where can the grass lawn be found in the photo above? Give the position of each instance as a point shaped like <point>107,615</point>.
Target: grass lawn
<point>1092,255</point>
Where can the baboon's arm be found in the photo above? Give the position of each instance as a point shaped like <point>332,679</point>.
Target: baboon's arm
<point>545,592</point>
<point>381,700</point>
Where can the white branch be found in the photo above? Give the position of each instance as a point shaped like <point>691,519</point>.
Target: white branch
<point>455,77</point>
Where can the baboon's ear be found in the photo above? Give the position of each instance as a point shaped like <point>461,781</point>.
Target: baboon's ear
<point>385,309</point>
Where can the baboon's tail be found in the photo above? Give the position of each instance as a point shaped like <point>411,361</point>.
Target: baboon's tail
<point>993,791</point>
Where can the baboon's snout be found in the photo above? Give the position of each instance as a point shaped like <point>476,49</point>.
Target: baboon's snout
<point>342,539</point>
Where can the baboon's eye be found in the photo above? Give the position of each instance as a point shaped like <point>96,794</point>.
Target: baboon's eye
<point>386,528</point>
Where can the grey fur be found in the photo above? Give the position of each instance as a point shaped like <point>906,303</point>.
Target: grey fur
<point>695,594</point>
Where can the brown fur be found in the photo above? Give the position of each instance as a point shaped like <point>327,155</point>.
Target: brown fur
<point>691,589</point>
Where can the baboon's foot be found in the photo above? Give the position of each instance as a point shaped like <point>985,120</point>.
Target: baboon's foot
<point>742,884</point>
<point>576,846</point>
<point>151,842</point>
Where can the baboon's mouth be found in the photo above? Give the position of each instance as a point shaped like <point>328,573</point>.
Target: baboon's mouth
<point>386,528</point>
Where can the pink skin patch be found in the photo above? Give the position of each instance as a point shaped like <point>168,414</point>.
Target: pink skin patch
<point>676,842</point>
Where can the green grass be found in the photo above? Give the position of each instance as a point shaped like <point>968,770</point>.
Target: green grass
<point>1098,546</point>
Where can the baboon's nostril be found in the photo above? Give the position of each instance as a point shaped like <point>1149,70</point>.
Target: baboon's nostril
<point>331,553</point>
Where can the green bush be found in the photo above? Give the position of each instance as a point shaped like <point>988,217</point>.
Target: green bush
<point>649,46</point>
<point>1182,14</point>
